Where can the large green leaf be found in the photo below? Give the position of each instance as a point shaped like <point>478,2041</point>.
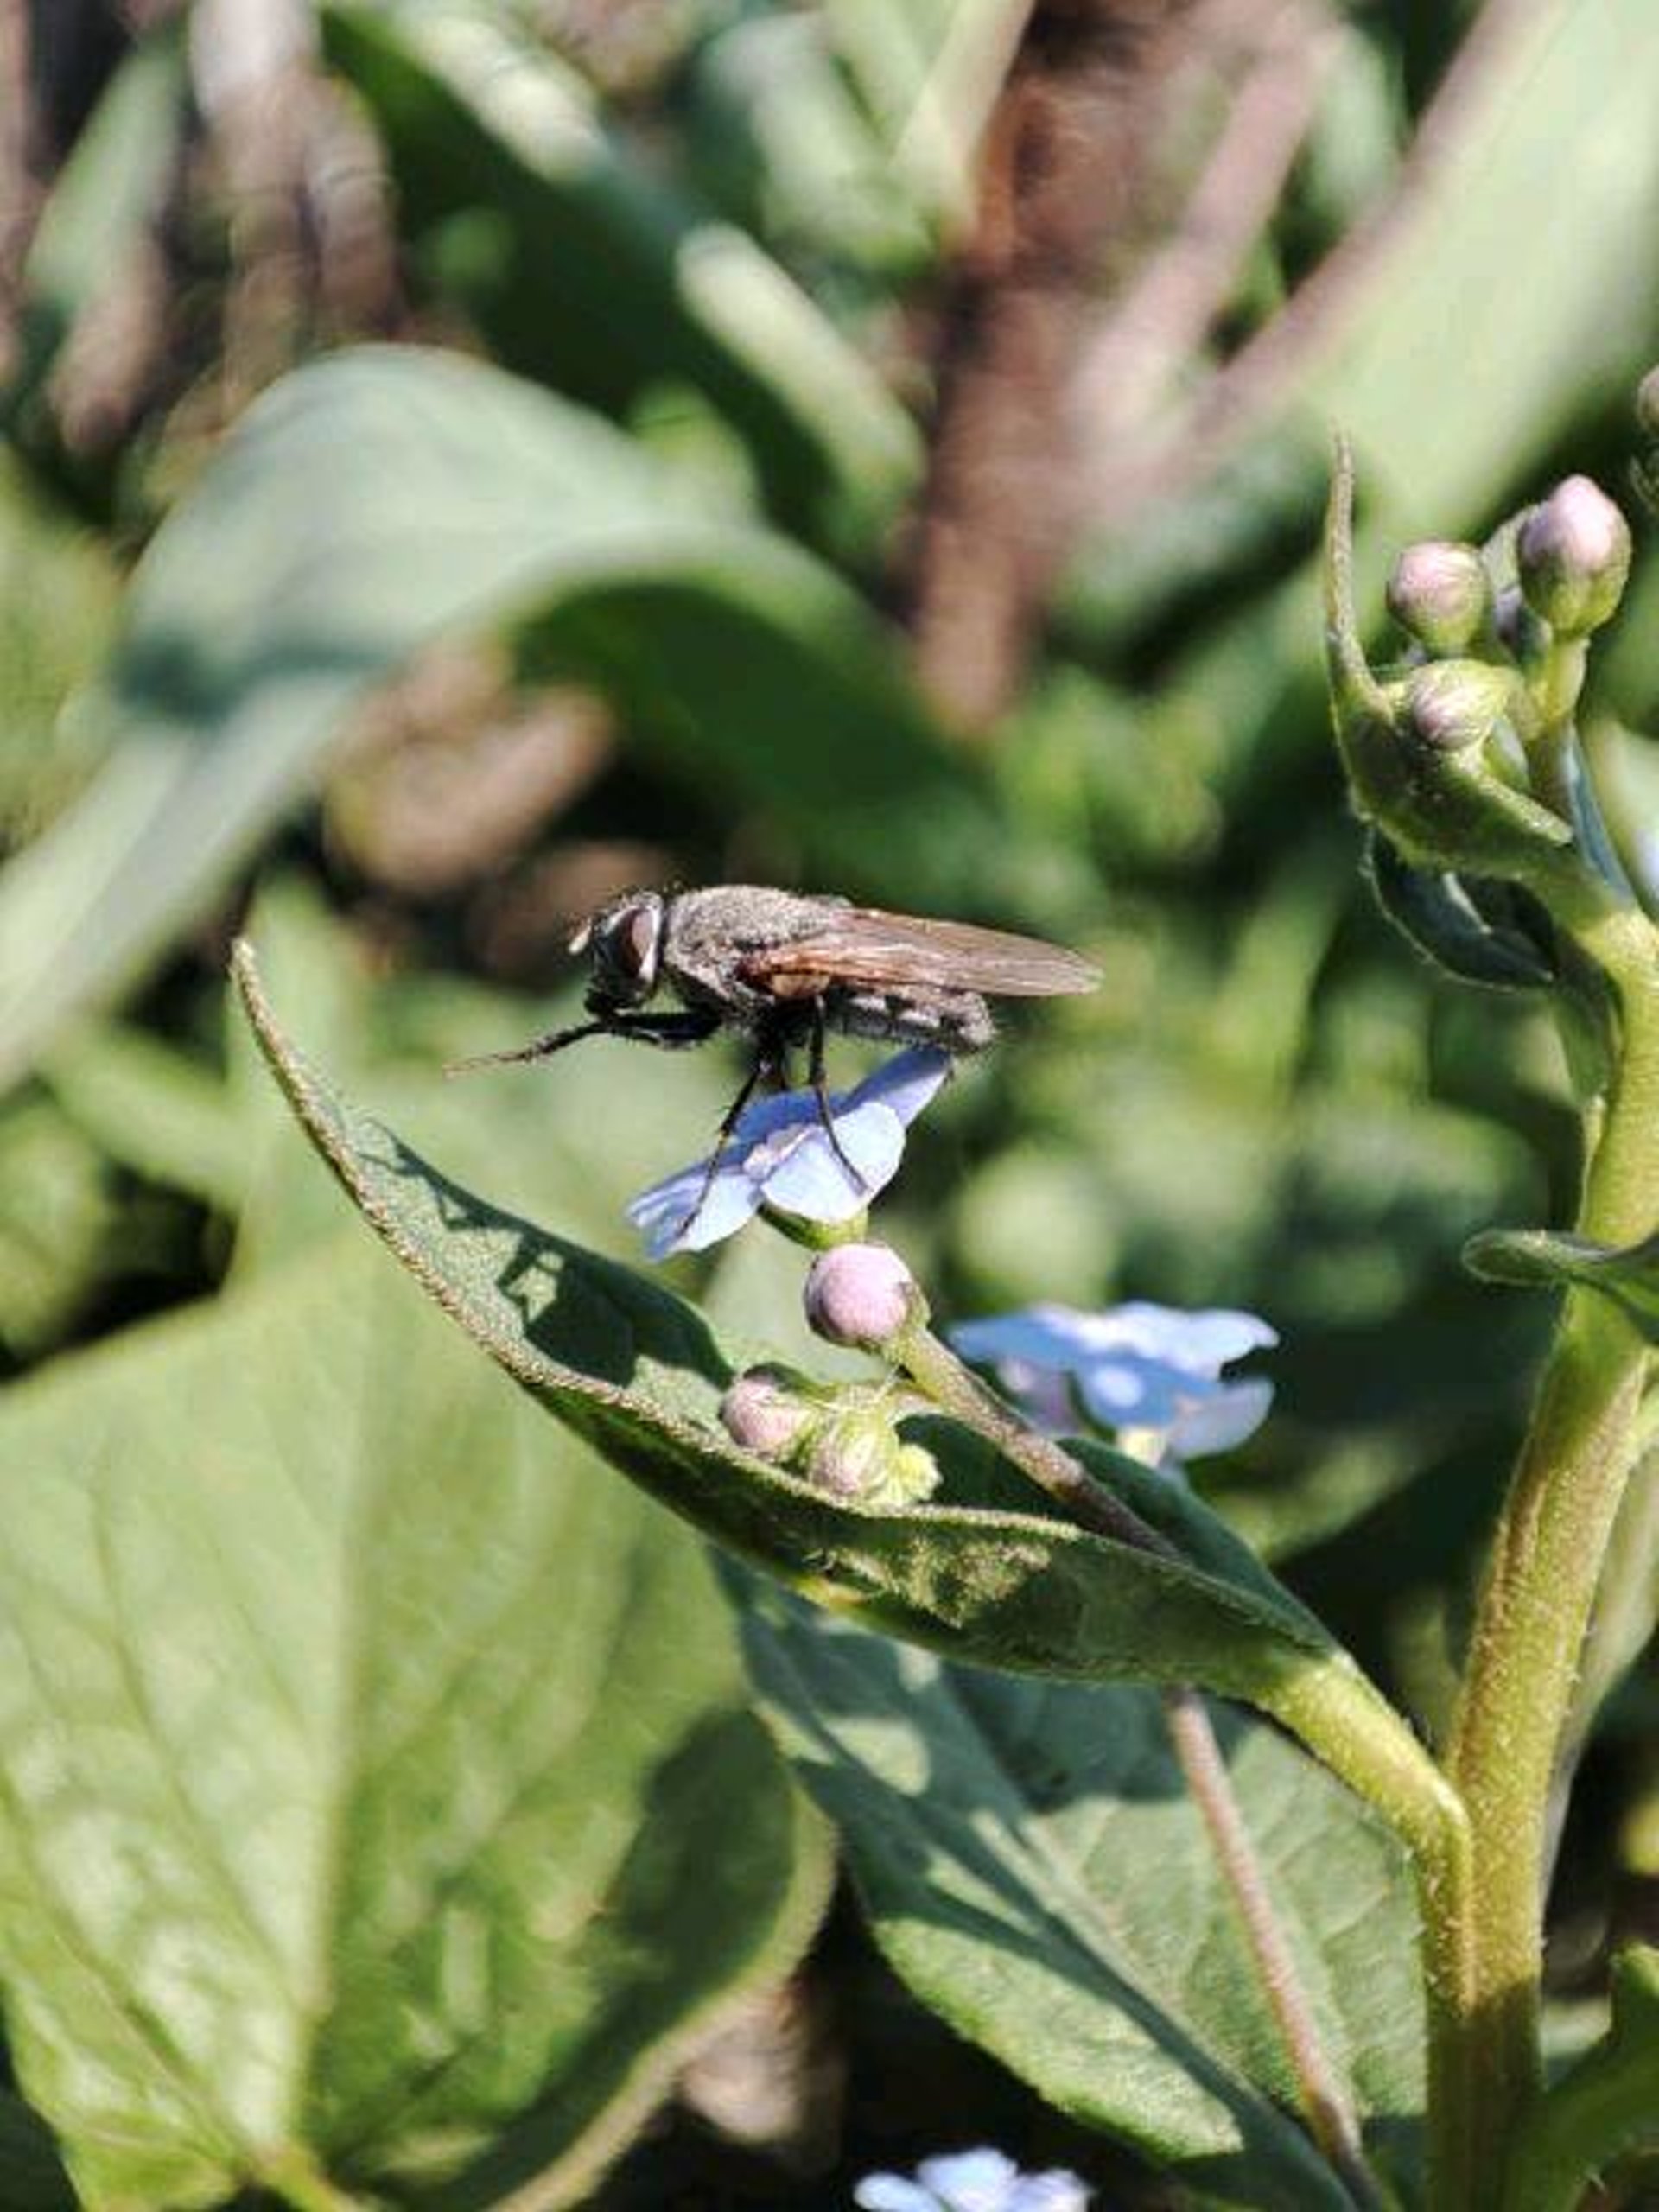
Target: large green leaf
<point>636,1372</point>
<point>377,1795</point>
<point>370,504</point>
<point>1032,1867</point>
<point>580,268</point>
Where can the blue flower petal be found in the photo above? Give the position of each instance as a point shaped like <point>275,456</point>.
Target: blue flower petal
<point>1202,1342</point>
<point>971,2181</point>
<point>893,2193</point>
<point>664,1214</point>
<point>1056,2191</point>
<point>1222,1421</point>
<point>811,1181</point>
<point>1123,1390</point>
<point>1042,1336</point>
<point>1135,1366</point>
<point>907,1083</point>
<point>780,1154</point>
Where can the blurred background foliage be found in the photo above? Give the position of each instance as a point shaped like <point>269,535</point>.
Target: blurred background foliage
<point>877,446</point>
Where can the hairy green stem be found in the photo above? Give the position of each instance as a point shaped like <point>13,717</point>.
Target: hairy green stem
<point>1546,1564</point>
<point>1326,2105</point>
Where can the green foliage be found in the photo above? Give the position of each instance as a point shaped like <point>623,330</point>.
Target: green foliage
<point>635,1372</point>
<point>1032,1867</point>
<point>1543,1259</point>
<point>1602,2110</point>
<point>305,569</point>
<point>429,1861</point>
<point>577,271</point>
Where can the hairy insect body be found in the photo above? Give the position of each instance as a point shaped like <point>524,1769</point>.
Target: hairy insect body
<point>783,967</point>
<point>715,950</point>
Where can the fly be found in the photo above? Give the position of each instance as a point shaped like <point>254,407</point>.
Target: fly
<point>784,968</point>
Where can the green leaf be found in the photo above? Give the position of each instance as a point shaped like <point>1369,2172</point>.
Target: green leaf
<point>582,271</point>
<point>1602,2109</point>
<point>1033,1868</point>
<point>637,1374</point>
<point>1547,1259</point>
<point>378,1798</point>
<point>377,501</point>
<point>1479,931</point>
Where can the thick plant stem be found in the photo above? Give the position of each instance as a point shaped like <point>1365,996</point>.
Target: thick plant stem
<point>1546,1564</point>
<point>1327,2106</point>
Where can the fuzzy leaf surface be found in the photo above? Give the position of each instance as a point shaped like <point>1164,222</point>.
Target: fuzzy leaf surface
<point>1033,1869</point>
<point>378,1798</point>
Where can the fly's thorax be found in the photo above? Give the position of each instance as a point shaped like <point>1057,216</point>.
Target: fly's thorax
<point>709,935</point>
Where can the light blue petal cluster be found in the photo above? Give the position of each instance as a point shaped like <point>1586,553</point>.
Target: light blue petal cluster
<point>780,1155</point>
<point>1139,1366</point>
<point>972,2181</point>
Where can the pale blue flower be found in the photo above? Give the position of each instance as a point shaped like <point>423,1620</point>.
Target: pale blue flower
<point>780,1155</point>
<point>1151,1369</point>
<point>972,2181</point>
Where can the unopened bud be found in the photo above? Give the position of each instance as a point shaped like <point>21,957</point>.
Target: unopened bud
<point>1440,592</point>
<point>860,1294</point>
<point>1572,554</point>
<point>1452,704</point>
<point>764,1415</point>
<point>1647,404</point>
<point>859,1454</point>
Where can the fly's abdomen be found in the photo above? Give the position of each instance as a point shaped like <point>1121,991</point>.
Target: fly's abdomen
<point>954,1021</point>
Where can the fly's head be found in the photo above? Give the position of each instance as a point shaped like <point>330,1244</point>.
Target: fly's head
<point>623,942</point>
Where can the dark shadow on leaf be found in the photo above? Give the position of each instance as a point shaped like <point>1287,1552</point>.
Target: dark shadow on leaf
<point>573,1307</point>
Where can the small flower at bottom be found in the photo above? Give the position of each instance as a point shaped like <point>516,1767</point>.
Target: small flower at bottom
<point>780,1155</point>
<point>1150,1370</point>
<point>972,2181</point>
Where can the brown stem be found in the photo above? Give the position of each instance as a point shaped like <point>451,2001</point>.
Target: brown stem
<point>1331,2117</point>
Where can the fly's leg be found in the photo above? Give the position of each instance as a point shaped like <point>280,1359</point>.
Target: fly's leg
<point>672,1031</point>
<point>767,1069</point>
<point>821,1095</point>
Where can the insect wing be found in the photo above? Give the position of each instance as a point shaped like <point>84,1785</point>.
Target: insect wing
<point>861,944</point>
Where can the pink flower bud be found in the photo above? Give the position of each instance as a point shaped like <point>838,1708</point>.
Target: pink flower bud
<point>1438,591</point>
<point>1572,554</point>
<point>860,1294</point>
<point>762,1414</point>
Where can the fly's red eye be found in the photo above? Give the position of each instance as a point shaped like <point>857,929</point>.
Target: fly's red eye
<point>638,936</point>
